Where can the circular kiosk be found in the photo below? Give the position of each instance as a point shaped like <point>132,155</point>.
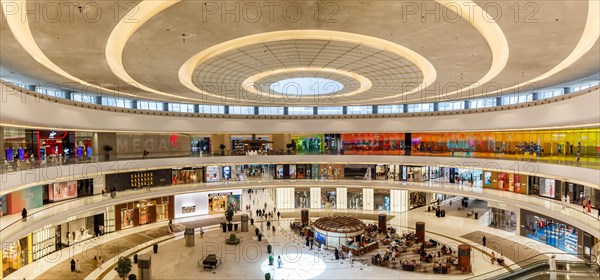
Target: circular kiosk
<point>335,231</point>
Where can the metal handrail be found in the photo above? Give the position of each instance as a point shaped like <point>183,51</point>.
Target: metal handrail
<point>532,263</point>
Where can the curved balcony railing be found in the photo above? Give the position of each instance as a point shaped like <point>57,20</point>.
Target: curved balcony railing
<point>115,103</point>
<point>592,162</point>
<point>69,208</point>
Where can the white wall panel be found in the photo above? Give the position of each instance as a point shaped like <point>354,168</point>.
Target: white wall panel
<point>341,198</point>
<point>399,200</point>
<point>199,200</point>
<point>285,198</point>
<point>368,199</point>
<point>315,198</point>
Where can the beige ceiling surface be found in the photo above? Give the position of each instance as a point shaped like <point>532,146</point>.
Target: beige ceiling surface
<point>539,36</point>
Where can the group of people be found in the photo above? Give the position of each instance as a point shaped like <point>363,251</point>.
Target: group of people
<point>499,260</point>
<point>97,262</point>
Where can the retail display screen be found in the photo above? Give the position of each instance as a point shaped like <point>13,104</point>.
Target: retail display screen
<point>226,172</point>
<point>547,187</point>
<point>212,174</point>
<point>62,191</point>
<point>487,178</point>
<point>319,237</point>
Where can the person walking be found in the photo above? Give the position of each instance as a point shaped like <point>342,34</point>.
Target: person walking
<point>24,214</point>
<point>265,206</point>
<point>278,215</point>
<point>279,262</point>
<point>552,264</point>
<point>483,240</point>
<point>268,225</point>
<point>312,241</point>
<point>584,204</point>
<point>589,206</point>
<point>100,262</point>
<point>273,230</point>
<point>72,265</point>
<point>95,262</point>
<point>201,233</point>
<point>77,266</point>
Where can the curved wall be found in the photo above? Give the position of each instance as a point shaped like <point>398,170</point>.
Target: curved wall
<point>20,109</point>
<point>20,179</point>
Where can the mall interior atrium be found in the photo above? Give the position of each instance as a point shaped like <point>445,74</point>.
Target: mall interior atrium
<point>355,139</point>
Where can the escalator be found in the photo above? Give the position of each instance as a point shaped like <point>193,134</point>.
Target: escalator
<point>537,268</point>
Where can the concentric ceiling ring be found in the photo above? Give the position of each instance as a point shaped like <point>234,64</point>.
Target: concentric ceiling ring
<point>250,84</point>
<point>187,69</point>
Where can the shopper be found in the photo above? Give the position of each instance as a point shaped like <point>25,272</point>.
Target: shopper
<point>268,225</point>
<point>552,263</point>
<point>72,265</point>
<point>100,262</point>
<point>24,214</point>
<point>278,215</point>
<point>584,204</point>
<point>279,262</point>
<point>77,266</point>
<point>201,233</point>
<point>589,206</point>
<point>273,230</point>
<point>483,240</point>
<point>95,262</point>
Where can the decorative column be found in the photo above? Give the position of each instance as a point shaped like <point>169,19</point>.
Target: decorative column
<point>144,262</point>
<point>244,219</point>
<point>304,217</point>
<point>464,257</point>
<point>382,223</point>
<point>420,232</point>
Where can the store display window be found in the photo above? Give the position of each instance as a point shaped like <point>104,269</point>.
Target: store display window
<point>547,187</point>
<point>302,197</point>
<point>355,199</point>
<point>126,218</point>
<point>503,219</point>
<point>551,232</point>
<point>187,176</point>
<point>16,255</point>
<point>292,171</point>
<point>381,199</point>
<point>213,173</point>
<point>218,202</point>
<point>328,198</point>
<point>62,191</point>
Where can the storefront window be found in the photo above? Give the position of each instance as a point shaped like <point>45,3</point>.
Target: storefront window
<point>503,219</point>
<point>381,199</point>
<point>355,199</point>
<point>302,198</point>
<point>187,176</point>
<point>551,232</point>
<point>126,218</point>
<point>328,198</point>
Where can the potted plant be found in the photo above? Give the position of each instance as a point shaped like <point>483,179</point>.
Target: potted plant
<point>222,148</point>
<point>256,231</point>
<point>155,248</point>
<point>267,276</point>
<point>259,237</point>
<point>271,259</point>
<point>107,150</point>
<point>131,277</point>
<point>224,227</point>
<point>135,257</point>
<point>123,267</point>
<point>269,249</point>
<point>229,217</point>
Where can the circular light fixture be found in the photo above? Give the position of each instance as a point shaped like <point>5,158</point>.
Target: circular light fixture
<point>306,86</point>
<point>299,86</point>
